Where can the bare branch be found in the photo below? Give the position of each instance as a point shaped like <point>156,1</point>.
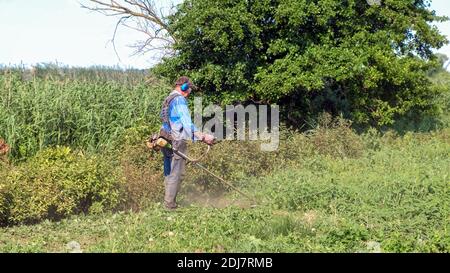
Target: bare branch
<point>142,16</point>
<point>113,40</point>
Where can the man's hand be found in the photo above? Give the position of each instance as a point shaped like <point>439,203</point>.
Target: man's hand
<point>208,139</point>
<point>204,137</point>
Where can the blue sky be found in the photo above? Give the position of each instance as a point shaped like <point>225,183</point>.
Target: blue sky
<point>37,31</point>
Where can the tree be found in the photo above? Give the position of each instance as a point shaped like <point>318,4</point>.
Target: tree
<point>143,16</point>
<point>368,62</point>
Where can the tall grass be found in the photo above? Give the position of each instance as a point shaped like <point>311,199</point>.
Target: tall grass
<point>92,112</point>
<point>93,73</point>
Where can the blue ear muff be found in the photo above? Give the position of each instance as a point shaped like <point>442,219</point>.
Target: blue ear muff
<point>185,87</point>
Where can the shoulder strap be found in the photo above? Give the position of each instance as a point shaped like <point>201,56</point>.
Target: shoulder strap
<point>165,108</point>
<point>170,98</point>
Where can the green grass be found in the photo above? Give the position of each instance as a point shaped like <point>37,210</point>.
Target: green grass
<point>396,194</point>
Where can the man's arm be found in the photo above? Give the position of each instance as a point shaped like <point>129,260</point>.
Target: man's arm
<point>184,117</point>
<point>189,129</point>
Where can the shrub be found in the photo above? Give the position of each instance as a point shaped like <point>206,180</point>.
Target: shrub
<point>334,137</point>
<point>4,203</point>
<point>57,183</point>
<point>142,170</point>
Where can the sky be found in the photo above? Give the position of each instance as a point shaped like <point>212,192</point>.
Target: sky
<point>60,31</point>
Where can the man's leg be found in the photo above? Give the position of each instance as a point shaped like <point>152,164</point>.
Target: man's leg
<point>173,181</point>
<point>167,158</point>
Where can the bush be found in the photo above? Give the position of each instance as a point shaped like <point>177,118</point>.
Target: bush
<point>335,137</point>
<point>57,183</point>
<point>4,204</point>
<point>144,181</point>
<point>436,119</point>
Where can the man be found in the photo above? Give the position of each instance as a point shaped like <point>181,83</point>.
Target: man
<point>178,127</point>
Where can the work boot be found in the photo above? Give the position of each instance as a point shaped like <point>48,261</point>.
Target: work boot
<point>172,206</point>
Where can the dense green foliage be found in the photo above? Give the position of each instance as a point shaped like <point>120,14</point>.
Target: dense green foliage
<point>57,183</point>
<point>438,116</point>
<point>392,197</point>
<point>368,62</point>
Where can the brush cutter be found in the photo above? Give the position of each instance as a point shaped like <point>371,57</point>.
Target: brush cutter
<point>157,142</point>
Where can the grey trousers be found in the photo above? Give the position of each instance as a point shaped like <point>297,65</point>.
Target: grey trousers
<point>177,172</point>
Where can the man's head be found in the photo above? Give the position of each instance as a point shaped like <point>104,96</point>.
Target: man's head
<point>184,86</point>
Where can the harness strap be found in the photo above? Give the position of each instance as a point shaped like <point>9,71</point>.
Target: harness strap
<point>165,108</point>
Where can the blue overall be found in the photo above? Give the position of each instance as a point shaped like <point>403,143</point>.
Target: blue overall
<point>167,158</point>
